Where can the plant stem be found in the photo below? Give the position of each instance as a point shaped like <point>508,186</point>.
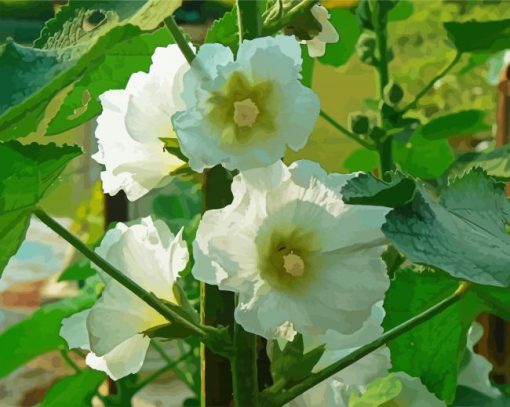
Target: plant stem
<point>180,40</point>
<point>69,361</point>
<point>379,22</point>
<point>429,86</point>
<point>118,275</point>
<point>342,129</point>
<point>244,368</point>
<point>314,379</point>
<point>273,25</point>
<point>249,19</point>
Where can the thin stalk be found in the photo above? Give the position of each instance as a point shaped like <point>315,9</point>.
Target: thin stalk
<point>244,368</point>
<point>429,85</point>
<point>69,361</point>
<point>169,366</point>
<point>118,275</point>
<point>285,397</point>
<point>180,40</point>
<point>342,129</point>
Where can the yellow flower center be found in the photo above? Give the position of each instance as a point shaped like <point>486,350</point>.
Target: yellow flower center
<point>293,264</point>
<point>243,109</point>
<point>245,112</point>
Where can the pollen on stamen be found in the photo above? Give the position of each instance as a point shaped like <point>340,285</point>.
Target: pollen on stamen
<point>293,264</point>
<point>245,112</point>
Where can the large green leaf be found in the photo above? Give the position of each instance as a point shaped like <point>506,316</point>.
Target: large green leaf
<point>38,334</point>
<point>496,163</point>
<point>366,189</point>
<point>479,36</point>
<point>463,123</point>
<point>423,158</point>
<point>76,391</point>
<point>68,48</point>
<point>349,30</point>
<point>467,397</point>
<point>112,71</point>
<point>26,172</point>
<point>433,350</point>
<point>463,232</point>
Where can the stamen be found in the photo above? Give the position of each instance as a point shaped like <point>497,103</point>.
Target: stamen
<point>293,264</point>
<point>245,112</point>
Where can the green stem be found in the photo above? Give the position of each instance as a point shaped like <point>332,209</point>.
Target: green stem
<point>180,40</point>
<point>273,25</point>
<point>69,361</point>
<point>285,397</point>
<point>342,129</point>
<point>244,368</point>
<point>169,366</point>
<point>429,86</point>
<point>379,22</point>
<point>118,275</point>
<point>249,19</point>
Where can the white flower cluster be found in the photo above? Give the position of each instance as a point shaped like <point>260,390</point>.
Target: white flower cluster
<point>300,259</point>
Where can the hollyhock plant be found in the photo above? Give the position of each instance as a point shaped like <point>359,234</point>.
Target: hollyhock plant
<point>151,256</point>
<point>135,122</point>
<point>243,112</point>
<point>301,260</point>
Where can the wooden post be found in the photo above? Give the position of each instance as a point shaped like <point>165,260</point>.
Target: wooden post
<point>495,343</point>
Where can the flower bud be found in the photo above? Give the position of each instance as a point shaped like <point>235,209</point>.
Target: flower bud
<point>359,123</point>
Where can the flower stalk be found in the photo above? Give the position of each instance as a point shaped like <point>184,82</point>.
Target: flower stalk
<point>286,396</point>
<point>120,277</point>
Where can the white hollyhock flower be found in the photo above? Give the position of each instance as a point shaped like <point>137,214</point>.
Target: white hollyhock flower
<point>152,257</point>
<point>475,371</point>
<point>299,257</point>
<point>317,45</point>
<point>243,112</point>
<point>133,122</point>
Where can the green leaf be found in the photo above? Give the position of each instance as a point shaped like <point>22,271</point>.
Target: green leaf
<point>112,71</point>
<point>496,299</point>
<point>362,160</point>
<point>366,189</point>
<point>349,30</point>
<point>224,30</point>
<point>38,333</point>
<point>433,350</point>
<point>467,397</point>
<point>67,49</point>
<point>291,364</point>
<point>27,171</point>
<point>423,158</point>
<point>378,392</point>
<point>76,391</point>
<point>463,232</point>
<point>79,270</point>
<point>24,70</point>
<point>463,123</point>
<point>479,36</point>
<point>402,11</point>
<point>496,163</point>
